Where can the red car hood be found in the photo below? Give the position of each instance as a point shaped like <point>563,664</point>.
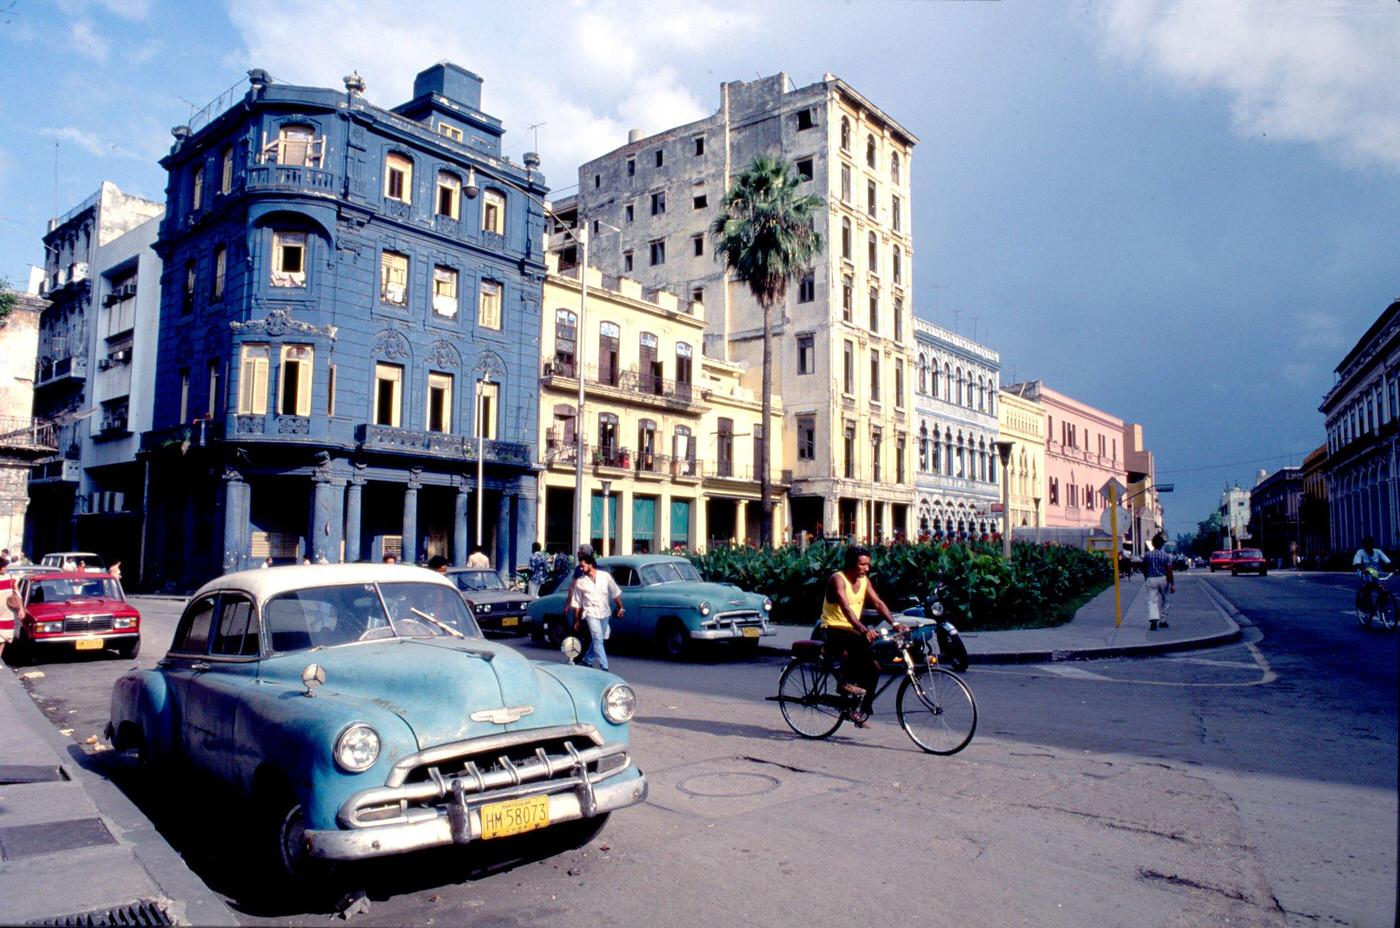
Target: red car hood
<point>44,612</point>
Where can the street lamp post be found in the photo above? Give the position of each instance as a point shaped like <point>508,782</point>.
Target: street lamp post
<point>607,489</point>
<point>1037,520</point>
<point>1004,452</point>
<point>581,234</point>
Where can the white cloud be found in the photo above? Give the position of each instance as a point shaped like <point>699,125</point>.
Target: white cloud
<point>1318,73</point>
<point>1320,332</point>
<point>86,40</point>
<point>92,143</point>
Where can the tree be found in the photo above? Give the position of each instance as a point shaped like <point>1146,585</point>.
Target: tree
<point>7,301</point>
<point>766,236</point>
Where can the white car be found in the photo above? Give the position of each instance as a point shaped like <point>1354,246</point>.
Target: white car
<point>68,560</point>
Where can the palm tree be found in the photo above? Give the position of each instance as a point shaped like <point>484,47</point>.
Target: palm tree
<point>766,235</point>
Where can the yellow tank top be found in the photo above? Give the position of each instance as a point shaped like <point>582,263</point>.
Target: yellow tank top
<point>833,616</point>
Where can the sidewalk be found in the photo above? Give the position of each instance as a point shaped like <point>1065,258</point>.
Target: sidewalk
<point>1198,618</point>
<point>73,848</point>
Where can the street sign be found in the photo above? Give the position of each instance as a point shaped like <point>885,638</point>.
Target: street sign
<point>1113,489</point>
<point>1125,520</point>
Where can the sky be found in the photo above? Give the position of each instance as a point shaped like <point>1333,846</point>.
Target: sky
<point>1183,212</point>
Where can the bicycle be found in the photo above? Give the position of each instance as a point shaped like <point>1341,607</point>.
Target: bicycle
<point>935,707</point>
<point>1375,603</point>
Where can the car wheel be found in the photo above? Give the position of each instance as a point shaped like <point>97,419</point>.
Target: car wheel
<point>672,639</point>
<point>554,632</point>
<point>293,865</point>
<point>129,649</point>
<point>1264,572</point>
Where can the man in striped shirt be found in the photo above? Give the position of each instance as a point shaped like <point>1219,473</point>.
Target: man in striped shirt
<point>1157,565</point>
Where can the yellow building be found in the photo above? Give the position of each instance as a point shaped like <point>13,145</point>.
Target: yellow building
<point>1023,421</point>
<point>667,433</point>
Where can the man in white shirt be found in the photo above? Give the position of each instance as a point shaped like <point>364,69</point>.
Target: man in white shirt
<point>478,558</point>
<point>590,601</point>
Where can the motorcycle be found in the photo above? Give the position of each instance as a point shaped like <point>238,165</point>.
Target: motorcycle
<point>952,653</point>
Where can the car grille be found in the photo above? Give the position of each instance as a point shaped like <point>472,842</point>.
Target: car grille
<point>743,617</point>
<point>505,766</point>
<point>87,623</point>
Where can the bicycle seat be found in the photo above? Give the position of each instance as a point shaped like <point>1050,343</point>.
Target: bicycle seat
<point>807,650</point>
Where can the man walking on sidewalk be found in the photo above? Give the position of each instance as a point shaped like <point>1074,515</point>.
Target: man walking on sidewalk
<point>1157,565</point>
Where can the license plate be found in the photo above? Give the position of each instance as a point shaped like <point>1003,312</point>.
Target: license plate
<point>749,631</point>
<point>88,644</point>
<point>501,819</point>
<point>509,620</point>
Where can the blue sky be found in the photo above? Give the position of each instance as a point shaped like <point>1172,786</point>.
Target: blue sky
<point>1184,213</point>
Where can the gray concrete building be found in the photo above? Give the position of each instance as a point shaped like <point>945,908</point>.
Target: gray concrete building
<point>22,439</point>
<point>841,340</point>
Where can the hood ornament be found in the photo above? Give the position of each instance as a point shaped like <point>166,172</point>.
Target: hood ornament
<point>504,715</point>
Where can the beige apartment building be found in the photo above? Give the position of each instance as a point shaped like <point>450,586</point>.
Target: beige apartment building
<point>668,433</point>
<point>841,339</point>
<point>1022,420</point>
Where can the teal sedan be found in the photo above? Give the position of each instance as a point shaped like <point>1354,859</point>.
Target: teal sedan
<point>668,605</point>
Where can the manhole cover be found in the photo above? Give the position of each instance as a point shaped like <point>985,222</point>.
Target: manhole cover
<point>27,840</point>
<point>728,785</point>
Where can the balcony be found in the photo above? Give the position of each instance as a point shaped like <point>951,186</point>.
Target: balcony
<point>631,385</point>
<point>728,472</point>
<point>60,280</point>
<point>613,461</point>
<point>62,370</point>
<point>289,178</point>
<point>21,436</point>
<point>441,445</point>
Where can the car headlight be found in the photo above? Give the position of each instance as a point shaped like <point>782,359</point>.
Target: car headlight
<point>357,748</point>
<point>767,604</point>
<point>124,621</point>
<point>48,627</point>
<point>619,702</point>
<point>704,608</point>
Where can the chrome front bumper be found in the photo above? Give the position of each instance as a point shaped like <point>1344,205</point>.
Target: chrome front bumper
<point>452,814</point>
<point>726,631</point>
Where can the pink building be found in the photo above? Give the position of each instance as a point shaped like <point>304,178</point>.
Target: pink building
<point>1083,449</point>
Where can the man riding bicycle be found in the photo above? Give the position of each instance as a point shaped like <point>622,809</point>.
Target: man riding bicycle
<point>1368,562</point>
<point>847,638</point>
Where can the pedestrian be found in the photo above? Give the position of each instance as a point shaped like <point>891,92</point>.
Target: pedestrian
<point>1157,565</point>
<point>9,604</point>
<point>590,603</point>
<point>267,562</point>
<point>478,558</point>
<point>539,569</point>
<point>438,563</point>
<point>390,558</point>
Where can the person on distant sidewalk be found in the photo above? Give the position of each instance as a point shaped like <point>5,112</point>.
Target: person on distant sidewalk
<point>1157,565</point>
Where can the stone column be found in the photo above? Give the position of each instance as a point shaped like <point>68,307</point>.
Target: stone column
<point>237,499</point>
<point>460,515</point>
<point>410,521</point>
<point>500,558</point>
<point>327,504</point>
<point>741,521</point>
<point>661,541</point>
<point>353,493</point>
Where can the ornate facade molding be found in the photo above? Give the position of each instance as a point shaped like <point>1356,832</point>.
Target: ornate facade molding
<point>278,323</point>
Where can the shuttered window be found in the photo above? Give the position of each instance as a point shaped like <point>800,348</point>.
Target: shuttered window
<point>252,381</point>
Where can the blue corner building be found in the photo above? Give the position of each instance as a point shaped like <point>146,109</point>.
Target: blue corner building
<point>349,332</point>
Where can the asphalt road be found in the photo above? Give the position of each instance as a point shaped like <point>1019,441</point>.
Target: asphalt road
<point>1253,784</point>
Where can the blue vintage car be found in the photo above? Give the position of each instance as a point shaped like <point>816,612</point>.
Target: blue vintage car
<point>364,713</point>
<point>667,604</point>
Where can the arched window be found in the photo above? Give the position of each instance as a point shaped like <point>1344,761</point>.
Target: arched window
<point>923,373</point>
<point>607,452</point>
<point>846,245</point>
<point>934,391</point>
<point>937,453</point>
<point>981,394</point>
<point>845,134</point>
<point>894,167</point>
<point>923,447</point>
<point>962,457</point>
<point>649,363</point>
<point>947,383</point>
<point>683,451</point>
<point>683,371</point>
<point>565,342</point>
<point>870,150</point>
<point>960,387</point>
<point>872,247</point>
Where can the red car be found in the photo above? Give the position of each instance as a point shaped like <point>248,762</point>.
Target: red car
<point>1219,560</point>
<point>1249,561</point>
<point>67,609</point>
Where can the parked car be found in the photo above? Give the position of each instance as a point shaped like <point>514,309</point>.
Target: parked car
<point>362,713</point>
<point>81,611</point>
<point>1221,560</point>
<point>496,608</point>
<point>667,604</point>
<point>69,560</point>
<point>1247,561</point>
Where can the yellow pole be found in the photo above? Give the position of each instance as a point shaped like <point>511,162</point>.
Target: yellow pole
<point>1117,552</point>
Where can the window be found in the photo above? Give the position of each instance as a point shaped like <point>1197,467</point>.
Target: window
<point>807,288</point>
<point>849,441</point>
<point>393,278</point>
<point>895,211</point>
<point>216,287</point>
<point>700,146</point>
<point>607,439</point>
<point>631,167</point>
<point>388,393</point>
<point>445,291</point>
<point>489,400</point>
<point>806,438</point>
<point>197,193</point>
<point>660,157</point>
<point>184,394</point>
<point>806,354</point>
<point>846,246</point>
<point>649,365</point>
<point>698,241</point>
<point>452,132</point>
<point>597,181</point>
<point>805,170</point>
<point>565,341</point>
<point>288,259</point>
<point>488,314</point>
<point>295,146</point>
<point>294,389</point>
<point>870,198</point>
<point>493,212</point>
<point>805,120</point>
<point>870,151</point>
<point>899,319</point>
<point>439,403</point>
<point>724,448</point>
<point>187,298</point>
<point>923,374</point>
<point>898,384</point>
<point>226,171</point>
<point>872,253</point>
<point>848,369</point>
<point>252,380</point>
<point>683,450</point>
<point>848,297</point>
<point>658,252</point>
<point>874,375</point>
<point>845,183</point>
<point>845,134</point>
<point>330,389</point>
<point>212,408</point>
<point>630,211</point>
<point>1054,491</point>
<point>876,439</point>
<point>449,189</point>
<point>658,203</point>
<point>398,178</point>
<point>700,201</point>
<point>683,362</point>
<point>697,295</point>
<point>894,167</point>
<point>897,265</point>
<point>626,262</point>
<point>646,445</point>
<point>609,337</point>
<point>874,310</point>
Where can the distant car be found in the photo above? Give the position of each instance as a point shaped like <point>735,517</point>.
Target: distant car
<point>78,611</point>
<point>495,607</point>
<point>667,604</point>
<point>1221,560</point>
<point>1249,561</point>
<point>1181,562</point>
<point>68,560</point>
<point>420,732</point>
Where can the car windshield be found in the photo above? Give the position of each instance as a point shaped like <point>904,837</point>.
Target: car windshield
<point>1249,552</point>
<point>321,617</point>
<point>64,590</point>
<point>475,580</point>
<point>668,572</point>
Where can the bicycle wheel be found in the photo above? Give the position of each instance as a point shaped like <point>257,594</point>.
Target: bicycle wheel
<point>807,696</point>
<point>1385,611</point>
<point>1363,607</point>
<point>938,712</point>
